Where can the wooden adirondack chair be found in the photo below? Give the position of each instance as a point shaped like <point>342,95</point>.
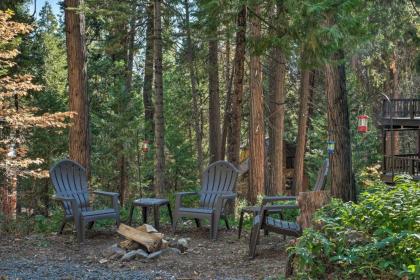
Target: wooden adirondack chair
<point>270,224</point>
<point>218,184</point>
<point>71,188</point>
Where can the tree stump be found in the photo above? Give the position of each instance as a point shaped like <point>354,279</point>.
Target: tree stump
<point>308,203</point>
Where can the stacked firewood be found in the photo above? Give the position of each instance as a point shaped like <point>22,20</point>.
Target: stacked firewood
<point>144,237</point>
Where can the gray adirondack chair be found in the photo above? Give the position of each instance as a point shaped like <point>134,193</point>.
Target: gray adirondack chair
<point>269,224</point>
<point>71,188</point>
<point>218,184</point>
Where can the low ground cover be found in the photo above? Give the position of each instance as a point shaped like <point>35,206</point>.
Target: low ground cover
<point>377,238</point>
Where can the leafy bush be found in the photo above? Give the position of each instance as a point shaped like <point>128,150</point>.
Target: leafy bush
<point>378,238</point>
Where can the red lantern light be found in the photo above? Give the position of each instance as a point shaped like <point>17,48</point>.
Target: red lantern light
<point>145,147</point>
<point>362,126</point>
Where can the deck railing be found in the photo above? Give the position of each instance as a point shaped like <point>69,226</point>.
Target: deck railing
<point>402,164</point>
<point>401,109</point>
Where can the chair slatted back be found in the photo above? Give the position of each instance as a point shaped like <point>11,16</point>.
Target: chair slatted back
<point>219,178</point>
<point>322,176</point>
<point>70,180</point>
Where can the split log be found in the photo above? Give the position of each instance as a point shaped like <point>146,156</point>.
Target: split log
<point>147,228</point>
<point>129,245</point>
<point>150,229</point>
<point>151,241</point>
<point>308,203</point>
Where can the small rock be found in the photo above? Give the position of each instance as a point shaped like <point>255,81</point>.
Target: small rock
<point>141,253</point>
<point>129,256</point>
<point>113,250</point>
<point>155,255</point>
<point>182,244</point>
<point>165,244</point>
<point>101,261</point>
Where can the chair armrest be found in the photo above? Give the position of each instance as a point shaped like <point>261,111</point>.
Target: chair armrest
<point>106,193</point>
<point>270,199</point>
<point>279,208</point>
<point>186,193</point>
<point>219,202</point>
<point>63,198</point>
<point>228,196</point>
<point>74,205</point>
<point>179,196</point>
<point>267,208</point>
<point>114,196</point>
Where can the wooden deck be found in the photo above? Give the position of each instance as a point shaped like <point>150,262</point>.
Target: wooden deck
<point>401,164</point>
<point>404,112</point>
<point>389,179</point>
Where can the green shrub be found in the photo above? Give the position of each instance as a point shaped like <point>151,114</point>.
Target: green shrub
<point>378,238</point>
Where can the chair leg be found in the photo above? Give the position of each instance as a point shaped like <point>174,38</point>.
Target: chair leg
<point>215,225</point>
<point>197,222</point>
<point>63,224</point>
<point>241,222</point>
<point>156,215</point>
<point>117,220</point>
<point>170,213</point>
<point>144,214</point>
<point>253,240</point>
<point>212,226</point>
<point>81,230</point>
<point>226,222</point>
<point>174,224</point>
<point>130,215</point>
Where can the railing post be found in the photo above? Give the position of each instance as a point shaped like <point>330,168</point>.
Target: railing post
<point>413,106</point>
<point>411,167</point>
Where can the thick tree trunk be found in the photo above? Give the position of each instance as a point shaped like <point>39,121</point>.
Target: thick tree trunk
<point>148,79</point>
<point>123,161</point>
<point>306,89</point>
<point>228,105</point>
<point>309,203</point>
<point>159,118</point>
<point>79,146</point>
<point>342,180</point>
<point>194,93</point>
<point>234,126</point>
<point>9,195</point>
<point>214,100</point>
<point>256,130</point>
<point>277,80</point>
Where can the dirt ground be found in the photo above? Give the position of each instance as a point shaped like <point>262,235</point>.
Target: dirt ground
<point>226,258</point>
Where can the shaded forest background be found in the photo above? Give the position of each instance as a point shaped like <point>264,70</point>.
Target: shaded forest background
<point>227,68</point>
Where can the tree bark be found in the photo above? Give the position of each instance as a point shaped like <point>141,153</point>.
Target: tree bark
<point>193,78</point>
<point>234,126</point>
<point>306,90</point>
<point>159,118</point>
<point>148,78</point>
<point>256,131</point>
<point>309,203</point>
<point>228,105</point>
<point>79,146</point>
<point>214,99</point>
<point>342,179</point>
<point>277,80</point>
<point>123,161</point>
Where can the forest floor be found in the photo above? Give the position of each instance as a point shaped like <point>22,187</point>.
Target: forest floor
<point>55,256</point>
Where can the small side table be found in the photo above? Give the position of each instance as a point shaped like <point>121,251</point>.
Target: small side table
<point>255,210</point>
<point>146,203</point>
